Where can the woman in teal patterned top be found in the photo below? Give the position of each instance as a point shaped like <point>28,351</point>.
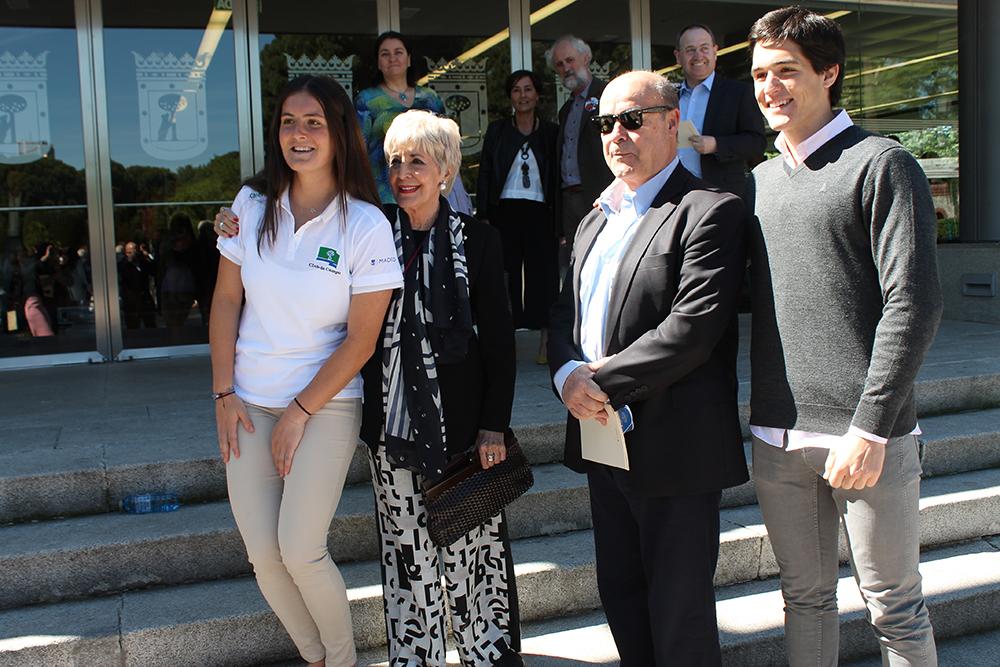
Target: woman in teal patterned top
<point>394,92</point>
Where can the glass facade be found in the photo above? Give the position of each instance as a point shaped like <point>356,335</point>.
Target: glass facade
<point>174,153</point>
<point>106,249</point>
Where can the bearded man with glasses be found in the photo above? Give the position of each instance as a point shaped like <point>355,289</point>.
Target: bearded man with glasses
<point>646,322</point>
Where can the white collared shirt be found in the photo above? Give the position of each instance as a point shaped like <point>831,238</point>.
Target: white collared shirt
<point>794,156</point>
<point>298,291</point>
<point>624,210</point>
<point>694,104</point>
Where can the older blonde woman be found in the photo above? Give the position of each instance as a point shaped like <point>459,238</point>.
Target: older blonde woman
<point>441,386</point>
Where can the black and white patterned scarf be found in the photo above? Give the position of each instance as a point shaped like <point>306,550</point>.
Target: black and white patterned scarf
<point>429,322</point>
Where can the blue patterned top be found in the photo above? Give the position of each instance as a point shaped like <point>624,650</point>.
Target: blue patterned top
<point>376,111</point>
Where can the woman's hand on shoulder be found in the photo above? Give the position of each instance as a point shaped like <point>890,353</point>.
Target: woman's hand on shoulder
<point>492,449</point>
<point>227,223</point>
<point>230,411</point>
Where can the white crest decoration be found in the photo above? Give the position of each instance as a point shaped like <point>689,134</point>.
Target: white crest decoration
<point>462,89</point>
<point>24,107</point>
<point>334,67</point>
<point>173,122</point>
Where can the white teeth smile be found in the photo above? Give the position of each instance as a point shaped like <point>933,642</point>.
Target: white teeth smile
<point>777,105</point>
<point>302,149</point>
<point>408,188</point>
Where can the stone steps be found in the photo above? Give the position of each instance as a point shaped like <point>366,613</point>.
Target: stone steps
<point>110,553</point>
<point>228,623</point>
<point>92,479</point>
<point>104,588</point>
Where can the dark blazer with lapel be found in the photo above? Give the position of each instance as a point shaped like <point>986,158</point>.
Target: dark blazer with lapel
<point>733,118</point>
<point>672,325</point>
<point>501,147</point>
<point>477,392</point>
<point>594,172</point>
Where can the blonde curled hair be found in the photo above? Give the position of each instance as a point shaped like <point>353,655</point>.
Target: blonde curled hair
<point>425,132</point>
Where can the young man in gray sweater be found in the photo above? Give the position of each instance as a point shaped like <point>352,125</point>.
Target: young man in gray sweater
<point>846,302</point>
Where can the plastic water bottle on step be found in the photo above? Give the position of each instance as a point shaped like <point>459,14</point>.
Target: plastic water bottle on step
<point>145,503</point>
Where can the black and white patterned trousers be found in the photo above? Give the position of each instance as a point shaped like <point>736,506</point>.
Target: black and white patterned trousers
<point>477,572</point>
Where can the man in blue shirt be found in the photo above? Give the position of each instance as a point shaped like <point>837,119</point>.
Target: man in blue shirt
<point>647,319</point>
<point>730,139</point>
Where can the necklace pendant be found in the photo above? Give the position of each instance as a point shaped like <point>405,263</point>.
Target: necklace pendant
<point>402,96</point>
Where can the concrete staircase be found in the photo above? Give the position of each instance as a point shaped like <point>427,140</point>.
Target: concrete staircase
<point>82,584</point>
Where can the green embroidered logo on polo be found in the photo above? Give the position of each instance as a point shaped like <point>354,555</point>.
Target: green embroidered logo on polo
<point>328,255</point>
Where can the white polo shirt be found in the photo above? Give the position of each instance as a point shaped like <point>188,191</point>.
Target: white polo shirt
<point>298,291</point>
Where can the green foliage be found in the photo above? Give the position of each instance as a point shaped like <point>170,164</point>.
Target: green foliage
<point>940,141</point>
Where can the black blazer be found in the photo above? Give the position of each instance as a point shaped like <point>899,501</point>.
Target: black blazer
<point>594,172</point>
<point>672,325</point>
<point>733,118</point>
<point>477,392</point>
<point>501,146</point>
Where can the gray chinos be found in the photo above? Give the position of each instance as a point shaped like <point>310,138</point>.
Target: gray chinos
<point>802,513</point>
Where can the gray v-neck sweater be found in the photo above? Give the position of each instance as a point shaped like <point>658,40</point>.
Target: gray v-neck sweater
<point>845,289</point>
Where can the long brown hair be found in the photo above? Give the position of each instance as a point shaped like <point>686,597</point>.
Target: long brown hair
<point>352,173</point>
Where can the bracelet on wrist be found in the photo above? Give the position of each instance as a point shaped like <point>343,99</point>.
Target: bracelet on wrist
<point>216,395</point>
<point>301,407</point>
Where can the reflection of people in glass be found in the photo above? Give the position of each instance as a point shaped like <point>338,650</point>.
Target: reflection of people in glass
<point>208,266</point>
<point>518,189</point>
<point>178,268</point>
<point>394,92</point>
<point>134,273</point>
<point>438,390</point>
<point>38,285</point>
<point>316,261</point>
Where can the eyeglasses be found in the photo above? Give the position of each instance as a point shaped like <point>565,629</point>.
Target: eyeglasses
<point>631,119</point>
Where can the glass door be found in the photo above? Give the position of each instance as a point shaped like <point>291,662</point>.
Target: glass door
<point>46,287</point>
<point>172,128</point>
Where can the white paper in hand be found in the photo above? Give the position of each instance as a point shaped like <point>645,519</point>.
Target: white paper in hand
<point>604,444</point>
<point>685,131</point>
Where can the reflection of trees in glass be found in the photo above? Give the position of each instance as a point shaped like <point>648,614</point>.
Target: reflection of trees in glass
<point>45,182</point>
<point>217,180</point>
<point>941,141</point>
<point>10,105</point>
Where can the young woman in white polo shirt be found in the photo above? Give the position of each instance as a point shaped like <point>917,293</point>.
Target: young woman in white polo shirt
<point>316,261</point>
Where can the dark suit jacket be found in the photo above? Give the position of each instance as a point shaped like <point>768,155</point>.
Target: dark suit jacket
<point>594,172</point>
<point>672,325</point>
<point>501,146</point>
<point>477,392</point>
<point>733,118</point>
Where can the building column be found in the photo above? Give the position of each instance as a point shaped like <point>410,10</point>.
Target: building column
<point>979,120</point>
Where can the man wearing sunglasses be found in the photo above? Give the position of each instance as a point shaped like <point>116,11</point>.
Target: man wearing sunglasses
<point>646,322</point>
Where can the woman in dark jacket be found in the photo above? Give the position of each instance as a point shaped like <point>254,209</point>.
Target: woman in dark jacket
<point>441,385</point>
<point>517,192</point>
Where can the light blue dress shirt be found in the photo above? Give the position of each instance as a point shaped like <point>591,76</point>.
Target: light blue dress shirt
<point>624,210</point>
<point>694,102</point>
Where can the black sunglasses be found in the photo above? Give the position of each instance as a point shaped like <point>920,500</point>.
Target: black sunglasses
<point>631,119</point>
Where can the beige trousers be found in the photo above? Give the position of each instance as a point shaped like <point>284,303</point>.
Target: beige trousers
<point>284,524</point>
